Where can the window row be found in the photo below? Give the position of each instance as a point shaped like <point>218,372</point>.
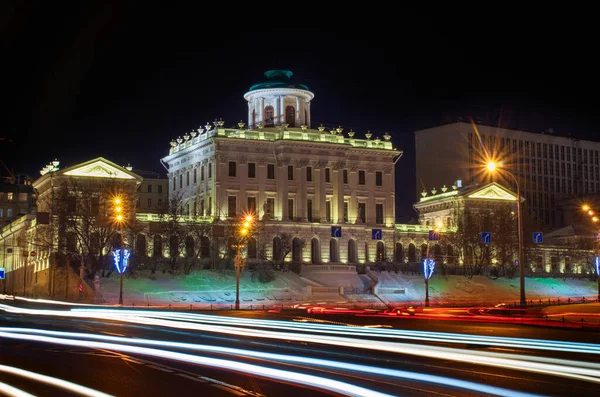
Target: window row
<point>503,145</point>
<point>159,188</point>
<point>10,196</point>
<point>269,208</point>
<point>309,173</point>
<point>192,176</point>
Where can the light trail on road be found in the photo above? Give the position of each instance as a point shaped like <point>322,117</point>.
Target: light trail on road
<point>275,358</point>
<point>50,381</point>
<point>579,370</point>
<point>298,378</point>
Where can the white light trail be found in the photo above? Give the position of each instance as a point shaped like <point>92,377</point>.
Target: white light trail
<point>440,380</point>
<point>59,383</point>
<point>257,370</point>
<point>13,391</point>
<point>579,370</point>
<point>538,344</point>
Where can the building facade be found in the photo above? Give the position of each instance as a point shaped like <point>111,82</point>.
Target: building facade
<point>72,217</point>
<point>549,167</point>
<point>152,193</point>
<point>17,198</point>
<point>326,187</point>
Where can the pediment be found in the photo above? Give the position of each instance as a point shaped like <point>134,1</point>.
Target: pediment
<point>493,192</point>
<point>99,169</point>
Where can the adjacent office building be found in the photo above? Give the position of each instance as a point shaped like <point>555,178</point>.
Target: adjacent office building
<point>549,167</point>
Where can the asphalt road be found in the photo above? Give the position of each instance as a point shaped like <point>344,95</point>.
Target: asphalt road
<point>109,369</point>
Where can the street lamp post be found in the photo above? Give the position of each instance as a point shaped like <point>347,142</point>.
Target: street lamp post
<point>492,166</point>
<point>120,254</point>
<point>594,218</point>
<point>244,232</point>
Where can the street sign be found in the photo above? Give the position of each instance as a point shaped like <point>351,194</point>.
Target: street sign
<point>336,231</point>
<point>376,234</point>
<point>486,237</point>
<point>433,235</point>
<point>596,237</point>
<point>9,250</point>
<point>25,253</point>
<point>32,253</point>
<point>538,237</point>
<point>1,273</point>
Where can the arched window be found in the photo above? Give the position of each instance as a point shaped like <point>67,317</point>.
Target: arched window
<point>173,246</point>
<point>157,249</point>
<point>269,116</point>
<point>204,247</point>
<point>412,253</point>
<point>231,247</point>
<point>189,247</point>
<point>140,246</point>
<point>290,116</point>
<point>71,243</point>
<point>399,253</point>
<point>276,249</point>
<point>424,251</point>
<point>380,255</point>
<point>352,252</point>
<point>315,251</point>
<point>437,252</point>
<point>334,252</point>
<point>450,254</point>
<point>296,250</point>
<point>252,248</point>
<point>253,118</point>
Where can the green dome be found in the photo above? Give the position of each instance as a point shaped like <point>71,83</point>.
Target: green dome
<point>278,78</point>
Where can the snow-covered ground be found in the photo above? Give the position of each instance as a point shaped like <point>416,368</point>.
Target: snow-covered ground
<point>206,288</point>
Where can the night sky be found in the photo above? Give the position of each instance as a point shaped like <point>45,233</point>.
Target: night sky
<point>122,81</point>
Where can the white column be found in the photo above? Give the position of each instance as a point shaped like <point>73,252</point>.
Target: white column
<point>322,195</point>
<point>250,116</point>
<point>298,119</point>
<point>301,193</point>
<point>308,116</point>
<point>282,191</point>
<point>281,110</point>
<point>276,110</point>
<point>338,191</point>
<point>261,111</point>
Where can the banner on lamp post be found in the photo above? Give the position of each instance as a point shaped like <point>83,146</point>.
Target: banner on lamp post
<point>121,261</point>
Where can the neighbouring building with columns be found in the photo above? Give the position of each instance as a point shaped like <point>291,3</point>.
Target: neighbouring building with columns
<point>327,187</point>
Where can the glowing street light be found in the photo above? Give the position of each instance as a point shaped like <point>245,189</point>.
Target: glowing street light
<point>494,167</point>
<point>244,232</point>
<point>586,208</point>
<point>121,256</point>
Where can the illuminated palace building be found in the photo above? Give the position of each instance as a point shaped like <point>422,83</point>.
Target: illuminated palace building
<point>325,187</point>
<point>549,167</point>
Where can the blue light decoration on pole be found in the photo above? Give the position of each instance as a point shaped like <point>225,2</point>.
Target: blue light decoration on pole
<point>428,268</point>
<point>121,263</point>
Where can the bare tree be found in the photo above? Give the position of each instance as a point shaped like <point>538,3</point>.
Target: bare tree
<point>173,229</point>
<point>82,230</point>
<point>500,221</point>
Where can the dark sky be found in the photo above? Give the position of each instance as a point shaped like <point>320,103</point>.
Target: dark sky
<point>121,81</point>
